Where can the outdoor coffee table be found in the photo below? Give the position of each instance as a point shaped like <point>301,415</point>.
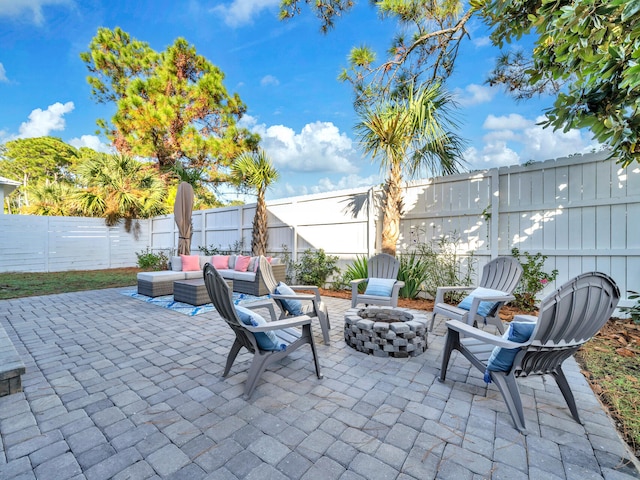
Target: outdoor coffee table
<point>193,292</point>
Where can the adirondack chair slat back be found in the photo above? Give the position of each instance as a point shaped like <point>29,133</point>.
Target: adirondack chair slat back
<point>576,311</point>
<point>383,265</point>
<point>502,273</point>
<point>222,298</point>
<point>264,269</point>
<point>568,318</point>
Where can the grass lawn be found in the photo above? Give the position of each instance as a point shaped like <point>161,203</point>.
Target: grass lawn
<point>16,285</point>
<point>610,360</point>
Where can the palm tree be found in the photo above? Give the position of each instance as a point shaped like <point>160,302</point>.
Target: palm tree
<point>255,171</point>
<point>409,135</point>
<point>55,199</point>
<point>118,187</point>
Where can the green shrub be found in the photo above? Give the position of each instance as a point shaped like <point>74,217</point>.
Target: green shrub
<point>413,272</point>
<point>289,264</point>
<point>235,249</point>
<point>443,266</point>
<point>534,279</point>
<point>358,269</point>
<point>147,260</point>
<point>315,267</point>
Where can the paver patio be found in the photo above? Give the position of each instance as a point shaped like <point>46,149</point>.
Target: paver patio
<point>117,388</point>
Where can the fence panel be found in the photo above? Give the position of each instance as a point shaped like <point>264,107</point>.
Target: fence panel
<point>30,243</point>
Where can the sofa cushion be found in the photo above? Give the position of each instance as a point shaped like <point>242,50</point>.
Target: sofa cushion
<point>253,264</point>
<point>192,274</point>
<point>163,276</point>
<point>220,262</point>
<point>242,263</point>
<point>190,263</point>
<point>244,276</point>
<point>176,264</point>
<point>232,261</point>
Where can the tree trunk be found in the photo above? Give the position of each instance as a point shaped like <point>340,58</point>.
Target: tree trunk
<point>260,234</point>
<point>392,211</point>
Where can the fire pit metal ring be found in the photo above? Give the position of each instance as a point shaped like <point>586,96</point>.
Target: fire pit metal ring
<point>386,331</point>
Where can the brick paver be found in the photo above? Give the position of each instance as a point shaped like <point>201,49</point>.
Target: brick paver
<point>117,388</point>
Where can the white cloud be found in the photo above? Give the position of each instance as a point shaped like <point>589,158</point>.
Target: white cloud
<point>544,143</point>
<point>269,80</point>
<point>3,74</point>
<point>319,147</point>
<point>482,41</point>
<point>242,12</point>
<point>92,142</point>
<point>511,121</point>
<point>492,155</point>
<point>474,94</point>
<point>42,122</point>
<point>32,8</point>
<point>514,139</point>
<point>345,183</point>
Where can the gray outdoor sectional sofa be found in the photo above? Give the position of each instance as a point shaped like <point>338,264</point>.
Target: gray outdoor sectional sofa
<point>155,284</point>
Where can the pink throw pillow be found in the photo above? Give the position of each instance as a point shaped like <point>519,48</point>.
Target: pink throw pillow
<point>220,262</point>
<point>190,263</point>
<point>242,263</point>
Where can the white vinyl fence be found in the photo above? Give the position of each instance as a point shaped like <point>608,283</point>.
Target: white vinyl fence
<point>581,211</point>
<point>30,243</point>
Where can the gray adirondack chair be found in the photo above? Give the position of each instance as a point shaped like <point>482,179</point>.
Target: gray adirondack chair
<point>568,318</point>
<point>502,274</point>
<point>287,331</point>
<point>382,266</point>
<point>312,303</point>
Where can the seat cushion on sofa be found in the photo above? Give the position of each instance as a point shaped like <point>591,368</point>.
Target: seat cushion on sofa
<point>244,276</point>
<point>162,276</point>
<point>192,275</point>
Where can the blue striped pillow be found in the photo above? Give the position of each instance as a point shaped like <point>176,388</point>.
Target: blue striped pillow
<point>266,340</point>
<point>484,308</point>
<point>380,287</point>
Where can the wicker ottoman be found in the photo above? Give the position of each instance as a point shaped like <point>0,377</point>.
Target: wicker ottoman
<point>193,292</point>
<point>156,284</point>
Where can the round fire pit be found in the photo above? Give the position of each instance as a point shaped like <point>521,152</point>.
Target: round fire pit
<point>386,331</point>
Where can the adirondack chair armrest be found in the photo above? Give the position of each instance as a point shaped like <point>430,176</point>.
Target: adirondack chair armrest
<point>446,289</point>
<point>398,285</point>
<point>473,332</point>
<point>312,288</point>
<point>358,281</point>
<point>281,324</point>
<point>303,297</point>
<point>268,304</point>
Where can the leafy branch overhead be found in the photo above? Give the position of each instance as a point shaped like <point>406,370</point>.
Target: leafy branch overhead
<point>424,48</point>
<point>586,52</point>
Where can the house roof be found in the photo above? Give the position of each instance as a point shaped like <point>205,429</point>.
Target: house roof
<point>8,185</point>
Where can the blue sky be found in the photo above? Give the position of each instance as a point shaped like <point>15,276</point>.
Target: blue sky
<point>285,72</point>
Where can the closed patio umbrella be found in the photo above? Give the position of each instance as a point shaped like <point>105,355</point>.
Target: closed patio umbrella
<point>182,214</point>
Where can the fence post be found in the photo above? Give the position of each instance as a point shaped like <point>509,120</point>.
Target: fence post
<point>495,212</point>
<point>371,223</point>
